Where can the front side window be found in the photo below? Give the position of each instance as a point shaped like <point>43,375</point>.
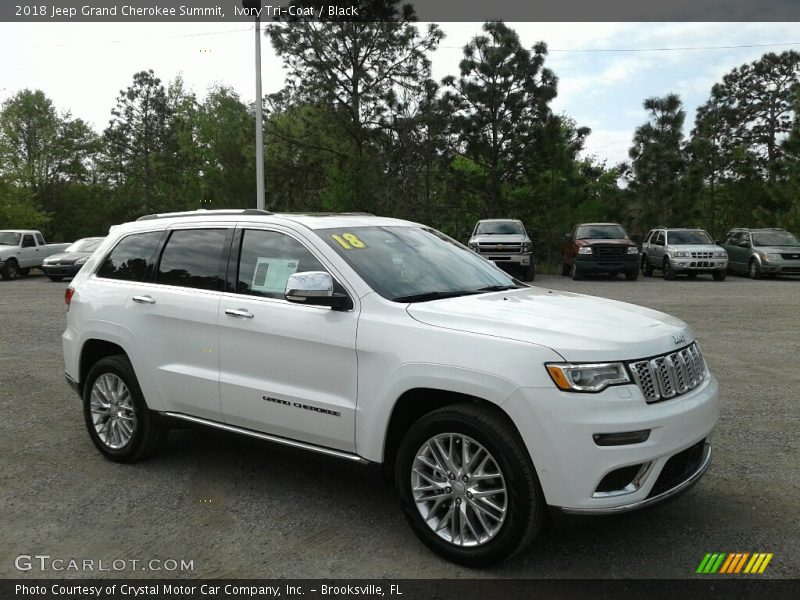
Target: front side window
<point>266,261</point>
<point>40,239</point>
<point>131,257</point>
<point>658,239</point>
<point>192,258</point>
<point>414,264</point>
<point>600,232</point>
<point>679,238</point>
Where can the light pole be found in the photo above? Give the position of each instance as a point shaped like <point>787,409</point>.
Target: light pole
<point>255,7</point>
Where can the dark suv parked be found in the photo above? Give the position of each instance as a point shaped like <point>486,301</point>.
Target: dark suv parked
<point>600,248</point>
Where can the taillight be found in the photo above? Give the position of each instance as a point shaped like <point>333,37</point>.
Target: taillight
<point>68,294</point>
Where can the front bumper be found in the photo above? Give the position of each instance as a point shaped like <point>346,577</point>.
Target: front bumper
<point>515,259</point>
<point>558,429</point>
<point>589,263</point>
<point>787,267</point>
<point>699,264</point>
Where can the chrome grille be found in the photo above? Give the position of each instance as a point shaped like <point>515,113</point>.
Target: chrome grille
<point>669,375</point>
<point>702,255</point>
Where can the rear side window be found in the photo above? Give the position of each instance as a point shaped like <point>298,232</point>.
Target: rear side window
<point>131,257</point>
<point>192,258</point>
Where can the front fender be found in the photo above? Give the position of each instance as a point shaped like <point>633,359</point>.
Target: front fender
<point>372,418</point>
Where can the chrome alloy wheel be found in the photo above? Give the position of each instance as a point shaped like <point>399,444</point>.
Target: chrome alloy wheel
<point>459,489</point>
<point>112,411</point>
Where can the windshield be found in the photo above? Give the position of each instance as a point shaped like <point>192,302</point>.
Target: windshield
<point>677,238</point>
<point>500,228</point>
<point>414,264</point>
<point>85,245</point>
<point>774,238</point>
<point>9,238</point>
<point>600,232</point>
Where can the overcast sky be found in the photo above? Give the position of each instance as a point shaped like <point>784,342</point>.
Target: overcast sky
<point>82,66</point>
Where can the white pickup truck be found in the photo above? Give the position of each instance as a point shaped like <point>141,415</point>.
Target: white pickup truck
<point>22,250</point>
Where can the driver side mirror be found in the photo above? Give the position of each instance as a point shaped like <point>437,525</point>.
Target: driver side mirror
<point>315,288</point>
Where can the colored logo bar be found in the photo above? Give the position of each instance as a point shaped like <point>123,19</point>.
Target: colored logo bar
<point>734,563</point>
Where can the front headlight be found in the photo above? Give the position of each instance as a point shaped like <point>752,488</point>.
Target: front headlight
<point>473,245</point>
<point>526,246</point>
<point>722,254</point>
<point>681,255</point>
<point>587,377</point>
<point>585,250</point>
<point>633,250</point>
<point>774,256</point>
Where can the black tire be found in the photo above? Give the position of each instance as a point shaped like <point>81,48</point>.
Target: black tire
<point>55,277</point>
<point>565,269</point>
<point>647,268</point>
<point>719,275</point>
<point>10,270</point>
<point>669,272</point>
<point>147,436</point>
<point>529,272</point>
<point>632,275</point>
<point>525,509</point>
<point>575,272</point>
<point>24,272</point>
<point>754,269</point>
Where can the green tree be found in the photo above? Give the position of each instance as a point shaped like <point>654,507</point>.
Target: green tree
<point>359,71</point>
<point>499,101</point>
<point>658,161</point>
<point>137,139</point>
<point>42,150</point>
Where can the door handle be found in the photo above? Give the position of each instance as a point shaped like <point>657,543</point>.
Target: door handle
<point>239,312</point>
<point>144,299</point>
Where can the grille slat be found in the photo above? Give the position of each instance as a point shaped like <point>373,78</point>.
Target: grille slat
<point>669,375</point>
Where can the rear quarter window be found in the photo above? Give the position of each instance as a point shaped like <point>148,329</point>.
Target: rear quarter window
<point>131,257</point>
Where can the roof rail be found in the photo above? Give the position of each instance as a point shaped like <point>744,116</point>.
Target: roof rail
<point>202,212</point>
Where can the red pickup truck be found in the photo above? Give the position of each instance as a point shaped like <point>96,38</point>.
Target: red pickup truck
<point>600,248</point>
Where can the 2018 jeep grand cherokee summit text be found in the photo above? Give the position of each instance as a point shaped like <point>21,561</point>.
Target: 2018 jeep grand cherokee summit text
<point>379,340</point>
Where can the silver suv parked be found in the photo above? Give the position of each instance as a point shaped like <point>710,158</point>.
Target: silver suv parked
<point>506,243</point>
<point>759,252</point>
<point>683,251</point>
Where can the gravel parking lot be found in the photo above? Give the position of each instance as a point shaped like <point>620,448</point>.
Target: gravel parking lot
<point>239,509</point>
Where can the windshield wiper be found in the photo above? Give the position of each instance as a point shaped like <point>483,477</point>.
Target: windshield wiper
<point>497,288</point>
<point>434,296</point>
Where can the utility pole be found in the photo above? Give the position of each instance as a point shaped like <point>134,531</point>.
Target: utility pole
<point>255,7</point>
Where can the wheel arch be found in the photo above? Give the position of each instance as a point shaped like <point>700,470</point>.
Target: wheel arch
<point>92,351</point>
<point>414,404</point>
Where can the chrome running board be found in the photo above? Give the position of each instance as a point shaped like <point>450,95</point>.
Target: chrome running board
<point>269,438</point>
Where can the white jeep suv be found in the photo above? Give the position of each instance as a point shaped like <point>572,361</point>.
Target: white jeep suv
<point>378,340</point>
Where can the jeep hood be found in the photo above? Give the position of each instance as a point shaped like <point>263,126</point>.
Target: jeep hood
<point>578,327</point>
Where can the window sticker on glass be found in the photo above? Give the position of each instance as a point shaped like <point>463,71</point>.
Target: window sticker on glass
<point>349,241</point>
<point>271,274</point>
